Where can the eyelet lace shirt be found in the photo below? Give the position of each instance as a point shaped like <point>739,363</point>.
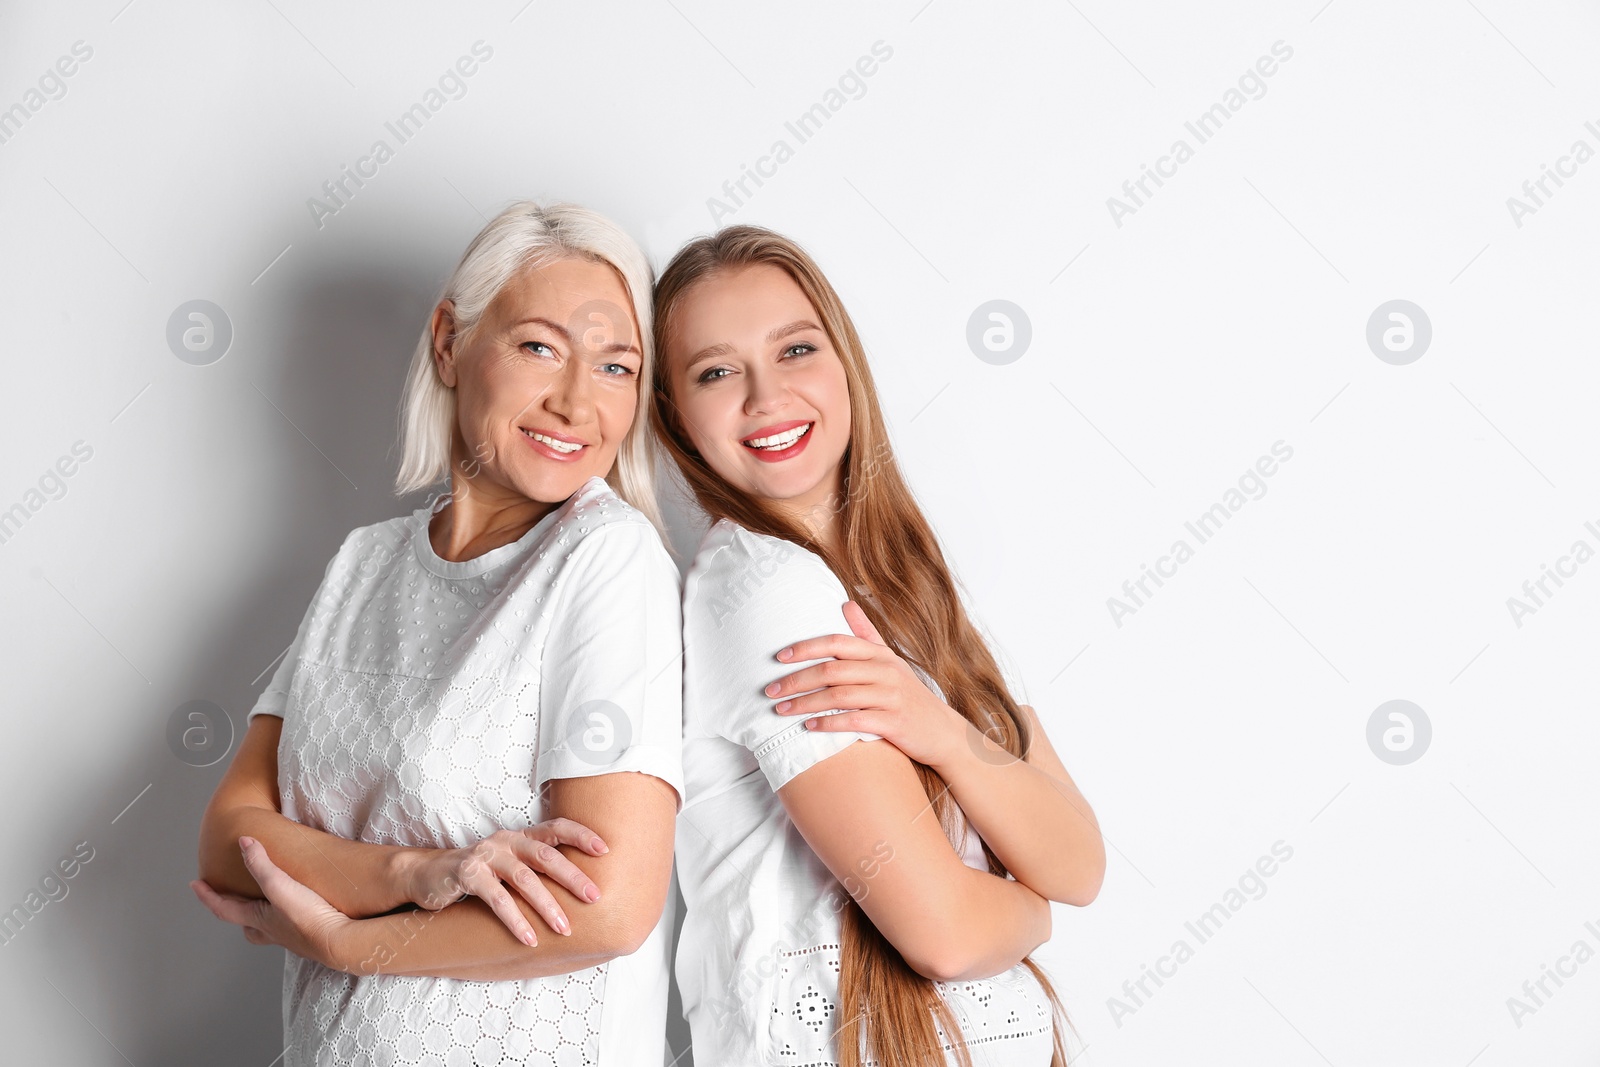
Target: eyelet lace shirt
<point>425,702</point>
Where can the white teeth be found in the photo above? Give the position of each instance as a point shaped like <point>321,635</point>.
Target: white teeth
<point>559,446</point>
<point>779,441</point>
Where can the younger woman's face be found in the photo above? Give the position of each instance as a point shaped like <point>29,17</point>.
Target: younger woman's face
<point>758,390</point>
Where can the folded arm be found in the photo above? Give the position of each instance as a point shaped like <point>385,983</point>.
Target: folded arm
<point>359,879</point>
<point>633,812</point>
<point>949,921</point>
<point>1056,848</point>
<point>1028,810</point>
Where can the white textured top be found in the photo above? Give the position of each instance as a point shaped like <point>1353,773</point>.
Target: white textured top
<point>425,702</point>
<point>758,955</point>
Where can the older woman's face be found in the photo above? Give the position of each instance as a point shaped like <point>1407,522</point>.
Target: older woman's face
<point>547,385</point>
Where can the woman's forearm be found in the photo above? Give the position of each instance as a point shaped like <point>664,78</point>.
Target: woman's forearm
<point>466,940</point>
<point>1036,820</point>
<point>992,923</point>
<point>634,815</point>
<point>358,878</point>
<point>865,814</point>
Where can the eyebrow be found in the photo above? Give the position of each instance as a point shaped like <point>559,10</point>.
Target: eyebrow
<point>777,334</point>
<point>566,335</point>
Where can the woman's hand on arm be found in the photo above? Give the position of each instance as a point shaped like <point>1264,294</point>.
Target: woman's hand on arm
<point>361,879</point>
<point>468,939</point>
<point>875,691</point>
<point>865,814</point>
<point>438,877</point>
<point>1056,849</point>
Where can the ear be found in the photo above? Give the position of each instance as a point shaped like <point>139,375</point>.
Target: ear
<point>443,327</point>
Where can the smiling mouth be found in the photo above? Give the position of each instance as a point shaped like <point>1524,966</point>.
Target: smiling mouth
<point>778,441</point>
<point>566,447</point>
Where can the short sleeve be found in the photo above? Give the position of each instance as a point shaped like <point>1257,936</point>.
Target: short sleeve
<point>274,699</point>
<point>611,687</point>
<point>755,596</point>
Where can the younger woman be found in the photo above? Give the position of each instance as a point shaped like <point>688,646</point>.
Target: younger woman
<point>847,903</point>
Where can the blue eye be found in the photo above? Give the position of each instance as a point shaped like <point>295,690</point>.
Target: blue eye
<point>622,370</point>
<point>707,375</point>
<point>531,345</point>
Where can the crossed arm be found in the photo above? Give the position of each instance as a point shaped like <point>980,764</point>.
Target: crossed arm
<point>1057,850</point>
<point>357,878</point>
<point>631,813</point>
<point>634,812</point>
<point>947,920</point>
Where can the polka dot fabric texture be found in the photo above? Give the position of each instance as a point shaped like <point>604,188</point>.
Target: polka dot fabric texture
<point>424,703</point>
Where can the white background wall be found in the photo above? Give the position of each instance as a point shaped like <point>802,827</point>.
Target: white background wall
<point>1228,312</point>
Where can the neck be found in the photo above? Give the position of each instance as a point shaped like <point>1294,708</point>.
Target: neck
<point>481,516</point>
<point>470,526</point>
<point>817,512</point>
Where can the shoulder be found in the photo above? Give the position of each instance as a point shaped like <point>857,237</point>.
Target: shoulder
<point>735,569</point>
<point>389,532</point>
<point>596,514</point>
<point>596,506</point>
<point>366,549</point>
<point>746,596</point>
<point>595,525</point>
<point>728,548</point>
<point>728,551</point>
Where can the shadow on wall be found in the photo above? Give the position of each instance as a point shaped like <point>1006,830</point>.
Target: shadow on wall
<point>166,982</point>
<point>339,348</point>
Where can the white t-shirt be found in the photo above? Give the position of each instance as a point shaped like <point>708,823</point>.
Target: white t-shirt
<point>424,703</point>
<point>758,955</point>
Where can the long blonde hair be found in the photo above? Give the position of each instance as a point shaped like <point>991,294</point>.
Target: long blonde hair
<point>887,548</point>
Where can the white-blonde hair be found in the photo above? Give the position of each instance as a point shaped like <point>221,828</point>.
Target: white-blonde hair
<point>524,235</point>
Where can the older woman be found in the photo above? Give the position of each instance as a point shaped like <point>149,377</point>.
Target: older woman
<point>484,693</point>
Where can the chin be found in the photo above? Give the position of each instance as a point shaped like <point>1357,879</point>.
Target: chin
<point>770,485</point>
<point>552,487</point>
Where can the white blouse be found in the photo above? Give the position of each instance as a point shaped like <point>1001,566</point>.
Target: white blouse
<point>758,955</point>
<point>425,702</point>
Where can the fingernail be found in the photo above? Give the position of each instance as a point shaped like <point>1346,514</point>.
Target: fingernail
<point>601,846</point>
<point>529,939</point>
<point>785,653</point>
<point>561,925</point>
<point>246,842</point>
<point>811,724</point>
<point>772,690</point>
<point>591,893</point>
<point>784,706</point>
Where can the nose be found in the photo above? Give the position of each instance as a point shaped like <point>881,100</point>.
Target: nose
<point>570,395</point>
<point>766,394</point>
